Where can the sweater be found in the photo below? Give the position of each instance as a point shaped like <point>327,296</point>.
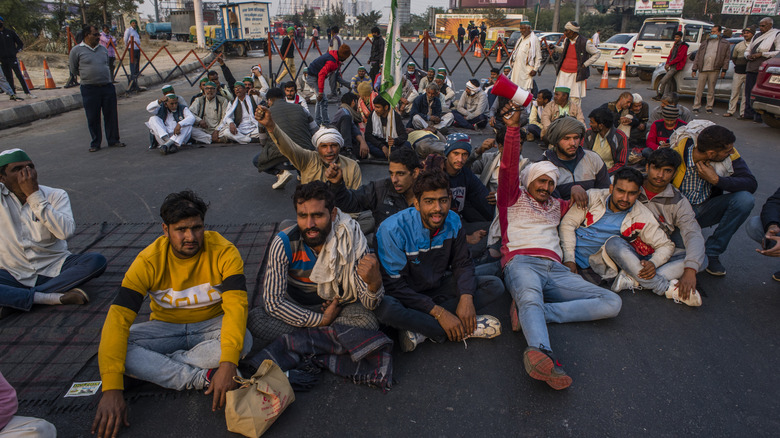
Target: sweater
<point>469,192</point>
<point>471,107</point>
<point>90,64</point>
<point>589,172</point>
<point>182,291</point>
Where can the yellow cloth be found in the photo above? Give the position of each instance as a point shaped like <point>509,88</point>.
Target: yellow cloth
<point>183,291</point>
<point>601,147</point>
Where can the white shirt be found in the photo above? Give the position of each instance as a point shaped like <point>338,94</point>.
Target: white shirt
<point>130,32</point>
<point>32,241</point>
<point>247,122</point>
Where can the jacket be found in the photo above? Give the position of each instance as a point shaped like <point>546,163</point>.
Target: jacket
<point>198,108</point>
<point>377,50</point>
<point>678,59</point>
<point>721,58</point>
<point>420,106</point>
<point>738,57</point>
<point>379,197</point>
<point>638,136</point>
<point>414,262</point>
<point>673,212</point>
<point>770,213</point>
<point>589,172</point>
<point>10,44</point>
<point>288,48</point>
<point>618,143</point>
<point>485,165</point>
<point>322,66</point>
<point>735,176</point>
<point>469,197</point>
<point>551,110</point>
<point>378,140</point>
<point>587,54</point>
<point>639,228</point>
<point>471,107</point>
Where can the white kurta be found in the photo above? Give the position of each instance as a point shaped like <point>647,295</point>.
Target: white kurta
<point>526,57</point>
<point>161,129</point>
<point>569,80</point>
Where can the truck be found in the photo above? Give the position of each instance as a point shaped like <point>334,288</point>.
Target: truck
<point>181,20</point>
<point>447,24</point>
<point>254,24</point>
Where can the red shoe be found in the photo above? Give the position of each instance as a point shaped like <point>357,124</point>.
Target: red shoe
<point>540,365</point>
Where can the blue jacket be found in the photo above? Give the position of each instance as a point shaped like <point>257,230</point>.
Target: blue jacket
<point>420,106</point>
<point>414,263</point>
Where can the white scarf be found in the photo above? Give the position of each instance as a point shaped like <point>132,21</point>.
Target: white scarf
<point>765,44</point>
<point>334,271</point>
<point>532,50</point>
<point>378,130</point>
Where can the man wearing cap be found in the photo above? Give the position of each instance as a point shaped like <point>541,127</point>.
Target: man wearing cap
<point>543,290</point>
<point>579,169</point>
<point>35,264</point>
<point>507,72</point>
<point>469,195</point>
<point>171,127</point>
<point>640,116</point>
<point>446,93</point>
<point>249,86</point>
<point>288,55</point>
<point>526,58</point>
<point>426,109</point>
<point>358,79</point>
<point>425,80</point>
<point>740,68</point>
<point>711,64</point>
<point>675,63</point>
<point>443,72</point>
<point>10,45</point>
<point>579,54</point>
<point>610,143</point>
<point>155,105</point>
<point>470,113</point>
<point>209,110</point>
<point>377,51</point>
<point>415,75</point>
<point>89,61</point>
<point>239,124</point>
<point>560,106</point>
<point>131,33</point>
<point>671,98</point>
<point>318,71</point>
<point>662,130</point>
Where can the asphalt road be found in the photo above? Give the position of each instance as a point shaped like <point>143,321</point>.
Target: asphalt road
<point>657,370</point>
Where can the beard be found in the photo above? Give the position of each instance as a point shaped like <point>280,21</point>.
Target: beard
<point>321,237</point>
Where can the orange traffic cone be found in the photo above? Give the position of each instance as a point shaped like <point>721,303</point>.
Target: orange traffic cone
<point>498,57</point>
<point>477,50</point>
<point>48,79</point>
<point>605,79</point>
<point>26,76</point>
<point>622,79</point>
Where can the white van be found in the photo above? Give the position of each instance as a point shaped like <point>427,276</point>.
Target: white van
<point>655,41</point>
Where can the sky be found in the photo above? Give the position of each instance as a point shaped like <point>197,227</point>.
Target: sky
<point>418,7</point>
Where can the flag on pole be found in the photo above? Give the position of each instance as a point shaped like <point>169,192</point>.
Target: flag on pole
<point>392,89</point>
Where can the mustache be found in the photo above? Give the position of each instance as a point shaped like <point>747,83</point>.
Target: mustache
<point>312,229</point>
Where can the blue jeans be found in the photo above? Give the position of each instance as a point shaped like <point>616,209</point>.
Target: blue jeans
<point>477,122</point>
<point>755,229</point>
<point>728,212</point>
<point>176,356</point>
<point>135,64</point>
<point>547,291</point>
<point>77,270</point>
<point>99,99</point>
<point>393,313</point>
<point>624,255</point>
<point>321,108</point>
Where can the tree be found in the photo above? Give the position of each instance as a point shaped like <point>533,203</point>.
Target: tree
<point>367,21</point>
<point>495,17</point>
<point>22,15</point>
<point>336,17</point>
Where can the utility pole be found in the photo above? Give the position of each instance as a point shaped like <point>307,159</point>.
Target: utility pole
<point>577,11</point>
<point>201,38</point>
<point>156,11</point>
<point>556,15</point>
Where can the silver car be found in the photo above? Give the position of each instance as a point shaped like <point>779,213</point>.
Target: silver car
<point>685,84</point>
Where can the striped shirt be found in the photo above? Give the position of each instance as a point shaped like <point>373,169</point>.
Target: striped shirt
<point>693,186</point>
<point>287,287</point>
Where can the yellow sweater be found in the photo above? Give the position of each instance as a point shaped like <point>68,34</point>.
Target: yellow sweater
<point>183,291</point>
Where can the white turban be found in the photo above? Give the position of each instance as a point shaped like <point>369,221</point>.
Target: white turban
<point>327,135</point>
<point>572,27</point>
<point>533,171</point>
<point>471,86</point>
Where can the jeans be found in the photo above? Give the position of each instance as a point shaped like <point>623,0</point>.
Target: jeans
<point>335,79</point>
<point>77,270</point>
<point>624,255</point>
<point>750,82</point>
<point>393,313</point>
<point>10,67</point>
<point>755,229</point>
<point>321,108</point>
<point>97,99</point>
<point>547,291</point>
<point>477,122</point>
<point>135,63</point>
<point>668,77</point>
<point>728,212</point>
<point>176,356</point>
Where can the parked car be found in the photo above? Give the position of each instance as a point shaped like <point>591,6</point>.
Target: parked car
<point>685,84</point>
<point>765,97</point>
<point>616,51</point>
<point>656,38</point>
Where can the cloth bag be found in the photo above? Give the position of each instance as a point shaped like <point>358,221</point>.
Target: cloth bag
<point>253,408</point>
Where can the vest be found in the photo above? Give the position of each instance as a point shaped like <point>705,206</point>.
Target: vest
<point>238,114</point>
<point>580,47</point>
<point>178,115</point>
<point>202,108</point>
<point>319,63</point>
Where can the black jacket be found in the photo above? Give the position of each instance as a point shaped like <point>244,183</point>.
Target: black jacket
<point>378,142</point>
<point>10,44</point>
<point>770,214</point>
<point>288,49</point>
<point>377,50</point>
<point>379,197</point>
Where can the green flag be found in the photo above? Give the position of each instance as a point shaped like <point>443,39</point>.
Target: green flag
<point>391,89</point>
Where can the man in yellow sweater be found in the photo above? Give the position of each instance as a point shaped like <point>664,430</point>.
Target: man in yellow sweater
<point>196,334</point>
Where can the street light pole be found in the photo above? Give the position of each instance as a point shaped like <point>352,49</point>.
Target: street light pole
<point>577,11</point>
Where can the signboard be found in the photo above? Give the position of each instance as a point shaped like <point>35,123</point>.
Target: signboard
<point>458,4</point>
<point>447,24</point>
<point>750,7</point>
<point>253,19</point>
<point>659,7</point>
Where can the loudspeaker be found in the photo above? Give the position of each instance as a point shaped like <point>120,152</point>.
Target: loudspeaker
<point>506,88</point>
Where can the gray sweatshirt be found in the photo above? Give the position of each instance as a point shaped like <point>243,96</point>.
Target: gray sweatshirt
<point>91,65</point>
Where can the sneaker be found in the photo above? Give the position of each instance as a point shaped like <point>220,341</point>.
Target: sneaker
<point>30,95</point>
<point>488,327</point>
<point>75,296</point>
<point>410,340</point>
<point>514,319</point>
<point>540,365</point>
<point>282,179</point>
<point>694,298</point>
<point>624,281</point>
<point>714,267</point>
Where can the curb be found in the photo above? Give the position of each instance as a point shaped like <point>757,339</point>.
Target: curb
<point>41,109</point>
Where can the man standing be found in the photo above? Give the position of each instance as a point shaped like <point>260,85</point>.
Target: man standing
<point>288,55</point>
<point>131,33</point>
<point>35,264</point>
<point>172,125</point>
<point>712,60</point>
<point>377,52</point>
<point>765,45</point>
<point>239,124</point>
<point>461,36</point>
<point>675,63</point>
<point>89,60</point>
<point>470,113</point>
<point>595,38</point>
<point>209,110</point>
<point>417,248</point>
<point>738,81</point>
<point>574,68</point>
<point>318,71</point>
<point>10,45</point>
<point>526,58</point>
<point>109,42</point>
<point>607,141</point>
<point>197,332</point>
<point>233,21</point>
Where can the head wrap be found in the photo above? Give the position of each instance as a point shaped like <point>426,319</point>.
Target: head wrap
<point>290,29</point>
<point>442,70</point>
<point>209,84</point>
<point>411,64</point>
<point>344,51</point>
<point>438,76</point>
<point>361,68</point>
<point>167,89</point>
<point>566,90</point>
<point>670,112</point>
<point>637,98</point>
<point>133,21</point>
<point>507,67</point>
<point>471,86</point>
<point>458,140</point>
<point>530,173</point>
<point>258,68</point>
<point>562,127</point>
<point>13,156</point>
<point>572,26</point>
<point>327,135</point>
<point>238,84</point>
<point>364,89</point>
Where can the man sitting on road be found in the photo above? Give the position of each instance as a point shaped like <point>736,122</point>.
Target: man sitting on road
<point>470,198</point>
<point>561,106</point>
<point>542,289</point>
<point>408,94</point>
<point>534,126</point>
<point>197,332</point>
<point>359,78</point>
<point>239,124</point>
<point>717,182</point>
<point>443,72</point>
<point>251,91</point>
<point>414,74</point>
<point>673,99</point>
<point>765,229</point>
<point>223,90</point>
<point>579,169</point>
<point>347,120</point>
<point>610,143</point>
<point>426,80</point>
<point>661,130</point>
<point>379,143</point>
<point>640,112</point>
<point>470,113</point>
<point>319,272</point>
<point>418,247</point>
<point>427,141</point>
<point>621,111</point>
<point>171,127</point>
<point>259,81</point>
<point>427,109</point>
<point>446,93</point>
<point>35,264</point>
<point>209,110</point>
<point>155,105</point>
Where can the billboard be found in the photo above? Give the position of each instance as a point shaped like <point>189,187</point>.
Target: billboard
<point>750,7</point>
<point>659,7</point>
<point>447,24</point>
<point>458,4</point>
